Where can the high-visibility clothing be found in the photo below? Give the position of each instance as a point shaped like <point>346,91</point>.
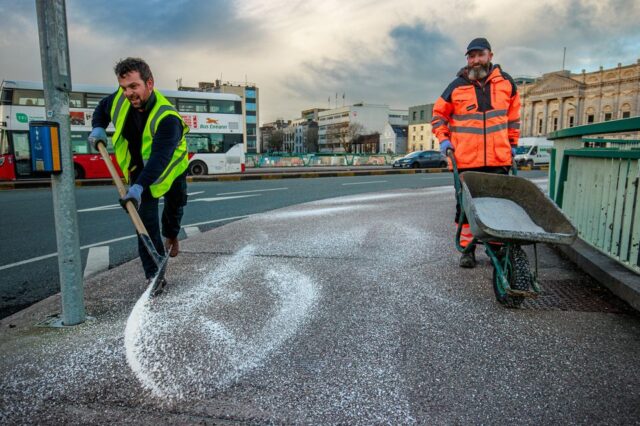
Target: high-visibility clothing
<point>481,119</point>
<point>465,235</point>
<point>162,108</point>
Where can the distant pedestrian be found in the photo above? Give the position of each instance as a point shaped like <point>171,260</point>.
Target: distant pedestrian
<point>478,117</point>
<point>151,150</point>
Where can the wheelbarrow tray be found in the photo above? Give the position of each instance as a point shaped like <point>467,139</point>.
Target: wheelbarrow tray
<point>510,208</point>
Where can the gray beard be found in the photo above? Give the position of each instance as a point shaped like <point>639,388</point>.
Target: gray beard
<point>478,73</point>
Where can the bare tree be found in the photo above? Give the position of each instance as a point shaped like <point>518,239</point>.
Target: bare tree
<point>276,140</point>
<point>349,134</point>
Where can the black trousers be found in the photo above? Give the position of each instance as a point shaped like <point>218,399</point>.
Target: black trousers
<point>497,170</point>
<point>174,201</point>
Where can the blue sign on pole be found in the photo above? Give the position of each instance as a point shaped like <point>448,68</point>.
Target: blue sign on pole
<point>44,142</point>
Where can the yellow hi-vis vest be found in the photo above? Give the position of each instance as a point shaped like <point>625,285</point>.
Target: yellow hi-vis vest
<point>162,108</point>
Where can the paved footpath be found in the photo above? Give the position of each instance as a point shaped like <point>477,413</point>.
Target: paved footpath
<point>349,310</point>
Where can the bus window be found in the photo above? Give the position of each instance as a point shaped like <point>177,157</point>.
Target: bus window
<point>197,143</point>
<point>7,94</point>
<point>192,105</point>
<point>28,97</point>
<point>217,143</point>
<point>220,106</point>
<point>4,143</point>
<point>231,140</point>
<point>79,143</point>
<point>76,100</point>
<point>21,153</point>
<point>93,99</point>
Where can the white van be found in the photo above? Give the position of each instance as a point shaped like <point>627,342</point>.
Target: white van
<point>533,151</point>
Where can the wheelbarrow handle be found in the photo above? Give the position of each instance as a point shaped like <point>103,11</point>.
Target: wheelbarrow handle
<point>131,209</point>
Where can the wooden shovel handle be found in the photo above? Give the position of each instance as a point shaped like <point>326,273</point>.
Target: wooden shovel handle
<point>133,213</point>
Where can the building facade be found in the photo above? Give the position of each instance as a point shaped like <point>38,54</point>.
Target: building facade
<point>560,99</point>
<point>360,128</point>
<point>420,137</point>
<point>250,107</point>
<point>297,135</point>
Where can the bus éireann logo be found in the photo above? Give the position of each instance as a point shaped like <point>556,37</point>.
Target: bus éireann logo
<point>22,117</point>
<point>212,121</point>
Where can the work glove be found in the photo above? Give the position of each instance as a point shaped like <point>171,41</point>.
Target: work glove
<point>513,152</point>
<point>97,134</point>
<point>134,195</point>
<point>445,145</point>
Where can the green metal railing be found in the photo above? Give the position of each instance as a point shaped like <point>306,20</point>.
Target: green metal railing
<point>595,182</point>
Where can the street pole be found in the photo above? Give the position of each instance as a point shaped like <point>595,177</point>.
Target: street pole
<point>56,78</point>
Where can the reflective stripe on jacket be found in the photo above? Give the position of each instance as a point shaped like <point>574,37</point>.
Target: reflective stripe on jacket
<point>162,108</point>
<point>482,120</point>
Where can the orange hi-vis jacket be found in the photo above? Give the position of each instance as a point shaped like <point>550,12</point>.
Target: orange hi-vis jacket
<point>480,118</point>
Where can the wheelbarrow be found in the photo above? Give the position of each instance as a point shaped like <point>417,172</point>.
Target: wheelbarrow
<point>506,212</point>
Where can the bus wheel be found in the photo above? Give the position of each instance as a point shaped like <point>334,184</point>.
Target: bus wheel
<point>197,168</point>
<point>78,173</point>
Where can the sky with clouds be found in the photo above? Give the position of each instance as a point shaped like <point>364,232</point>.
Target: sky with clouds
<point>301,53</point>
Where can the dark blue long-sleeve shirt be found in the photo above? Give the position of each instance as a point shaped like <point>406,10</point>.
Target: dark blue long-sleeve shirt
<point>164,143</point>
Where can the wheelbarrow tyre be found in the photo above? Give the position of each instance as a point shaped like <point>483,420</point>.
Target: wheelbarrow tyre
<point>518,275</point>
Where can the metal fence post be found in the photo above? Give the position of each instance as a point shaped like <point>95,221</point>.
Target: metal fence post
<point>56,77</point>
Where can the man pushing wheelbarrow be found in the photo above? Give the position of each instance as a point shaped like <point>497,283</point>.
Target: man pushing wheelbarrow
<point>477,121</point>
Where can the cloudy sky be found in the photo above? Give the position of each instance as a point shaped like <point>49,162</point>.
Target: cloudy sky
<point>300,53</point>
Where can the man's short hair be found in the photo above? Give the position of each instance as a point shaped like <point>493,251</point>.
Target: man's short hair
<point>133,64</point>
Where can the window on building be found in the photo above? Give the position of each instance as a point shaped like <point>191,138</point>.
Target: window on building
<point>250,93</point>
<point>421,137</point>
<point>555,123</point>
<point>571,121</point>
<point>413,138</point>
<point>420,147</point>
<point>540,126</point>
<point>415,114</point>
<point>626,114</point>
<point>607,116</point>
<point>590,118</point>
<point>421,114</point>
<point>421,128</point>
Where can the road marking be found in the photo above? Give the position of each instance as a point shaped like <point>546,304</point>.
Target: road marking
<point>102,243</point>
<point>254,190</point>
<point>364,183</point>
<point>224,198</point>
<point>118,206</point>
<point>191,231</point>
<point>97,260</point>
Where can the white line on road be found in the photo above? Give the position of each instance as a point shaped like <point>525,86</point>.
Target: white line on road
<point>195,193</point>
<point>97,260</point>
<point>364,183</point>
<point>102,243</point>
<point>191,231</point>
<point>224,198</point>
<point>254,190</point>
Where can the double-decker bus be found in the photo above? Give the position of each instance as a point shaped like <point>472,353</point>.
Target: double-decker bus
<point>215,121</point>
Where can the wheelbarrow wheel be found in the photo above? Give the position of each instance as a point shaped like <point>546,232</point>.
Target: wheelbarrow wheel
<point>518,275</point>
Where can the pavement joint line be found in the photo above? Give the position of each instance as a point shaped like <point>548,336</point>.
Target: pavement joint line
<point>277,255</point>
<point>97,260</point>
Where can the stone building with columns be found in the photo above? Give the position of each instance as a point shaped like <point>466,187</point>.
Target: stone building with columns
<point>560,99</point>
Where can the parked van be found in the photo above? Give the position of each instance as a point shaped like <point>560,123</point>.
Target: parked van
<point>533,151</point>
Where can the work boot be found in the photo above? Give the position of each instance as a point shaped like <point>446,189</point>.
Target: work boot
<point>468,260</point>
<point>173,246</point>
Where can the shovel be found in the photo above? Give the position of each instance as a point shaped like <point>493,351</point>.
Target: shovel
<point>160,261</point>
